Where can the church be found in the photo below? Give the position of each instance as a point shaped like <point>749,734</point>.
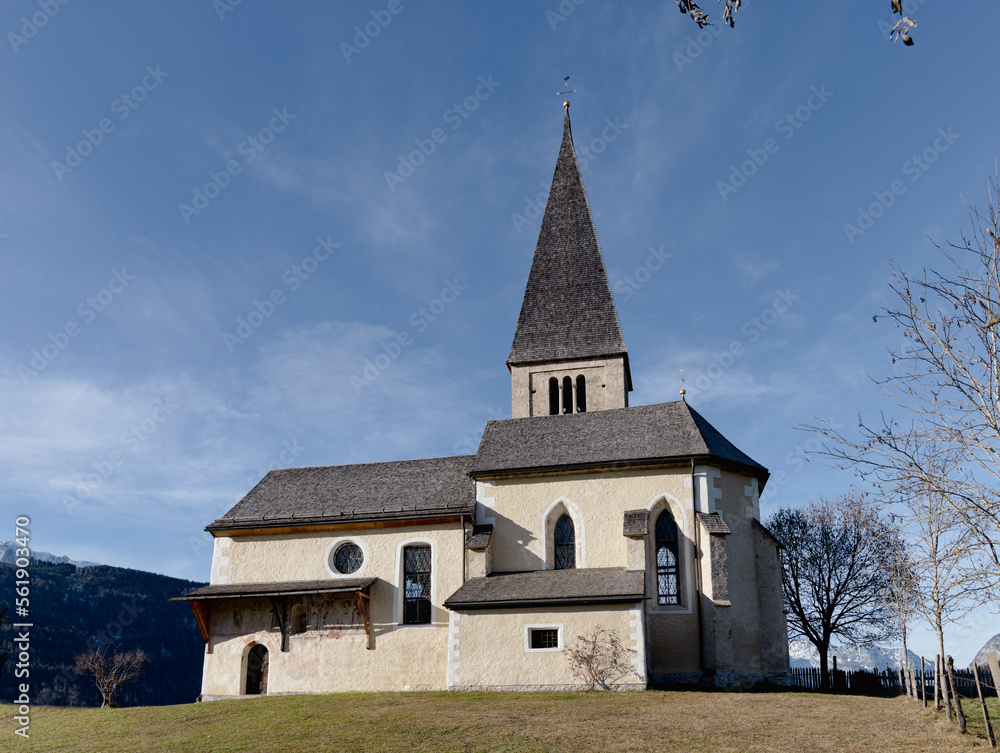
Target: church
<point>579,513</point>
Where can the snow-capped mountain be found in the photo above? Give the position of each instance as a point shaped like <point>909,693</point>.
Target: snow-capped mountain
<point>9,557</point>
<point>804,654</point>
<point>993,644</point>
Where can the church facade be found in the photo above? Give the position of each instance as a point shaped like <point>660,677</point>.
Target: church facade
<point>579,513</point>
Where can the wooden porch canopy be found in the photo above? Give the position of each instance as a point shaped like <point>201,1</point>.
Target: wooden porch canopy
<point>201,600</point>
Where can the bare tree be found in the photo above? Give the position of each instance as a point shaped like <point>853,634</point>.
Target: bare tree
<point>111,672</point>
<point>941,552</point>
<point>900,31</point>
<point>901,595</point>
<point>600,659</point>
<point>947,385</point>
<point>834,555</point>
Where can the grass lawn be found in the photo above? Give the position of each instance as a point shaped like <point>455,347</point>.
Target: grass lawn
<point>513,722</point>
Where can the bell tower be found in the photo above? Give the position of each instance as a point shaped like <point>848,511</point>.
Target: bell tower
<point>568,354</point>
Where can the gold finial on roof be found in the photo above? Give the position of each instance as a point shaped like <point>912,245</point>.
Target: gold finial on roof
<point>566,92</point>
<point>683,393</point>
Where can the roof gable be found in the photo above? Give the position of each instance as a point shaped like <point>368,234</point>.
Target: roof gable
<point>641,435</point>
<point>568,311</point>
<point>399,490</point>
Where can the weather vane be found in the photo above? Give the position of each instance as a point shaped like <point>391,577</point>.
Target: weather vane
<point>566,92</point>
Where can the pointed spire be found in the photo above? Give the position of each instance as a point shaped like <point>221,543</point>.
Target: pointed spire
<point>568,311</point>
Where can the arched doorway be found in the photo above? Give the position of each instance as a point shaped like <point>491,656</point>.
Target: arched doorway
<point>257,670</point>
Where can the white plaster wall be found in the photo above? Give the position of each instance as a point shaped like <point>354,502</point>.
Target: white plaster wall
<point>335,658</point>
<point>489,646</point>
<point>600,498</point>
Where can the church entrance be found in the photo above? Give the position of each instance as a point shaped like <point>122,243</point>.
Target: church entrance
<point>257,671</point>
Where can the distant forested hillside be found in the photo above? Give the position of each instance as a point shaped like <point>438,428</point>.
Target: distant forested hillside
<point>74,608</point>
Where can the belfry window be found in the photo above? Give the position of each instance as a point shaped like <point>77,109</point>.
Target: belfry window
<point>667,571</point>
<point>565,543</point>
<point>581,394</point>
<point>553,397</point>
<point>567,395</point>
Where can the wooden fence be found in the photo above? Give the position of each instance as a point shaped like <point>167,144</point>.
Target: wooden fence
<point>954,686</point>
<point>885,682</point>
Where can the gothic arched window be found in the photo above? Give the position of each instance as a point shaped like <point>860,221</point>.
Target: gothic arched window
<point>667,568</point>
<point>553,397</point>
<point>567,396</point>
<point>565,543</point>
<point>581,394</point>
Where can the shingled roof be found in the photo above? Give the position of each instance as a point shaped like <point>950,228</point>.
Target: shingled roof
<point>624,437</point>
<point>568,311</point>
<point>283,588</point>
<point>598,585</point>
<point>400,490</point>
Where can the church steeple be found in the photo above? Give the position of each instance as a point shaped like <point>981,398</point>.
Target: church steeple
<point>568,336</point>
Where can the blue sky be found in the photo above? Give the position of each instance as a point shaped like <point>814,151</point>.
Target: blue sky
<point>211,224</point>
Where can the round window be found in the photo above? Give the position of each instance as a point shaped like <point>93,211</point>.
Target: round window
<point>348,558</point>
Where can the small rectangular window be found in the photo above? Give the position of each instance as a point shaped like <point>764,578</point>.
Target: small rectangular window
<point>543,638</point>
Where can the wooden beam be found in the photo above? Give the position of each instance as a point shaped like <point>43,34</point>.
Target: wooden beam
<point>991,659</point>
<point>326,527</point>
<point>201,616</point>
<point>282,618</point>
<point>363,600</point>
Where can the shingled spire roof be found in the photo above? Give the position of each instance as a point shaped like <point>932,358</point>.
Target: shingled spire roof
<point>568,312</point>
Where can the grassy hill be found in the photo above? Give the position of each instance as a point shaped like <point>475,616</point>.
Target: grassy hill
<point>511,722</point>
<point>75,608</point>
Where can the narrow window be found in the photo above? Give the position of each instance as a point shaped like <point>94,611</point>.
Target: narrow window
<point>553,397</point>
<point>544,638</point>
<point>567,396</point>
<point>565,540</point>
<point>667,574</point>
<point>581,394</point>
<point>416,585</point>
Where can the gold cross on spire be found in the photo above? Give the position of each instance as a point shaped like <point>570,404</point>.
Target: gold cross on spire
<point>566,92</point>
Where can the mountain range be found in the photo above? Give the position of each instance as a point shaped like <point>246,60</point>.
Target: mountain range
<point>73,609</point>
<point>8,556</point>
<point>849,657</point>
<point>993,644</point>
